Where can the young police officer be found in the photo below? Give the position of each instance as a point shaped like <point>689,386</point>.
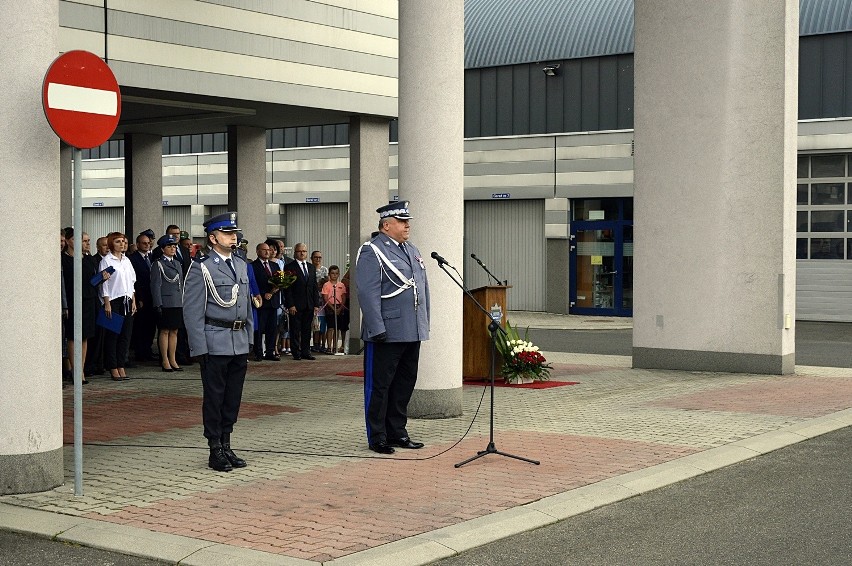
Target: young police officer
<point>220,330</point>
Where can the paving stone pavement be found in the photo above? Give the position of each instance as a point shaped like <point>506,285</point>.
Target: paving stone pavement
<point>313,492</point>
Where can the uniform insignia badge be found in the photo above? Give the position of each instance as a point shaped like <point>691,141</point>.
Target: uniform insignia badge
<point>215,260</point>
<point>420,261</point>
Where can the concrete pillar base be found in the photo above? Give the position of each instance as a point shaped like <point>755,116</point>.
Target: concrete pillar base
<point>435,403</point>
<point>695,360</point>
<point>29,473</point>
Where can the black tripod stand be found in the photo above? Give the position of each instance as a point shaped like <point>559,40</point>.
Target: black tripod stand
<point>495,329</point>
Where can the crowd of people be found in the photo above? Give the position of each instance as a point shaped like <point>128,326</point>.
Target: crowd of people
<point>217,308</point>
<point>132,296</point>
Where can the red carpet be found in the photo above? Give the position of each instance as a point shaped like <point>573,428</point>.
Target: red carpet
<point>533,385</point>
<point>497,383</point>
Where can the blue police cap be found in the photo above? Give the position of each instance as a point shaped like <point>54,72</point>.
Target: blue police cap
<point>167,240</point>
<point>398,210</point>
<point>224,223</point>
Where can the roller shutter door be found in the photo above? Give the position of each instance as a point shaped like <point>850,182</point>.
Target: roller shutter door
<point>323,227</point>
<point>508,236</point>
<point>100,221</point>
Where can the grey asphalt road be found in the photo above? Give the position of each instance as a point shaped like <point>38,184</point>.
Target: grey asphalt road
<point>24,550</point>
<point>789,507</point>
<point>817,343</point>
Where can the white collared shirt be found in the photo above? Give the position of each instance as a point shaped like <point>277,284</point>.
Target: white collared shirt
<point>120,283</point>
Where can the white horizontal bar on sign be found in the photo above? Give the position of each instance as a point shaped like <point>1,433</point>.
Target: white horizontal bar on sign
<point>82,99</point>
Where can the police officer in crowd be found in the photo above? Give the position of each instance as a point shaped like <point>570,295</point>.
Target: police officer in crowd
<point>167,297</point>
<point>394,297</point>
<point>220,328</point>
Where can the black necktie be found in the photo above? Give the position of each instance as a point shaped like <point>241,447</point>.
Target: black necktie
<point>305,269</point>
<point>402,247</point>
<point>228,262</point>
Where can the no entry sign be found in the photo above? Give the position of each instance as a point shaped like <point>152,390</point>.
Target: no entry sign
<point>81,99</point>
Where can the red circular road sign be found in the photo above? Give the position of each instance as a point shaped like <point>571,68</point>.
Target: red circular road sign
<point>81,99</point>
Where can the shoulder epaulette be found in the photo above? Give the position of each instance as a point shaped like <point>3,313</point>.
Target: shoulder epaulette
<point>199,258</point>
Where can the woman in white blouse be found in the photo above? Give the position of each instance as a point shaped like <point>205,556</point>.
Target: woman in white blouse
<point>118,297</point>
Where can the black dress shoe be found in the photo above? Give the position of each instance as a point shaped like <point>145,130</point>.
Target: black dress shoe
<point>295,357</point>
<point>406,442</point>
<point>308,357</point>
<point>169,370</point>
<point>382,448</point>
<point>218,461</point>
<point>272,357</point>
<point>258,358</point>
<point>177,369</point>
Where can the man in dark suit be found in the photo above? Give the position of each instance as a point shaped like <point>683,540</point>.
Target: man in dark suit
<point>267,314</point>
<point>144,324</point>
<point>302,299</point>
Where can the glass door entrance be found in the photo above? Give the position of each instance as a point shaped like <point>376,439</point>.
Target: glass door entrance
<point>601,267</point>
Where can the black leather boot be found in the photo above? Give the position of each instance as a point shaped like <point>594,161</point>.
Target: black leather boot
<point>218,461</point>
<point>234,460</point>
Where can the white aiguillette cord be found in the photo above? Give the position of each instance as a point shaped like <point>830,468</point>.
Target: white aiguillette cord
<point>209,285</point>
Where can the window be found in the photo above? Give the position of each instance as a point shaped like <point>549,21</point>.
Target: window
<point>828,165</point>
<point>824,207</point>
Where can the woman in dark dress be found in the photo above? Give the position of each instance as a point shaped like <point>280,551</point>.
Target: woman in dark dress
<point>167,294</point>
<point>90,294</point>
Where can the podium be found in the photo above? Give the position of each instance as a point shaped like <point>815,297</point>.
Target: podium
<point>477,341</point>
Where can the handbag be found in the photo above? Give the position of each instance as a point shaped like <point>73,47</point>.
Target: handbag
<point>315,324</point>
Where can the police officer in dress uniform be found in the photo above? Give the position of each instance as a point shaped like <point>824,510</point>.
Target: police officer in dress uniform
<point>220,330</point>
<point>394,297</point>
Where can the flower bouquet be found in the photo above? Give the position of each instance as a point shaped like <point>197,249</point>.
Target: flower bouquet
<point>282,279</point>
<point>522,362</point>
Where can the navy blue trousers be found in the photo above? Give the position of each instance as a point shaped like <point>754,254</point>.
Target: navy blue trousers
<point>222,378</point>
<point>390,372</point>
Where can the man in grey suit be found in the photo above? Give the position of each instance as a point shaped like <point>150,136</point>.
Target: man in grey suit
<point>220,329</point>
<point>393,294</point>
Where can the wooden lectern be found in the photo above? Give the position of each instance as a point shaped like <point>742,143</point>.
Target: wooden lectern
<point>477,340</point>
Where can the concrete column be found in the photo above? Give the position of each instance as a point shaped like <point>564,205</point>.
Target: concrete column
<point>715,172</point>
<point>66,185</point>
<point>431,176</point>
<point>247,181</point>
<point>368,190</point>
<point>143,184</point>
<point>30,370</point>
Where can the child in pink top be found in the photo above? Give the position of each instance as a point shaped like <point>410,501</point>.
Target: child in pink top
<point>336,317</point>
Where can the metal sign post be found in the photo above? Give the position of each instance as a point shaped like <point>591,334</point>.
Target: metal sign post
<point>82,103</point>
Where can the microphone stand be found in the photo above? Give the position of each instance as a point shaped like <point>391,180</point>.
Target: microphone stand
<point>482,265</point>
<point>493,328</point>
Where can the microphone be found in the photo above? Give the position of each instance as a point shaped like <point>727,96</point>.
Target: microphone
<point>439,259</point>
<point>482,265</point>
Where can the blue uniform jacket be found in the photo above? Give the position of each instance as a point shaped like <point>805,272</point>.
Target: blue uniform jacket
<point>165,293</point>
<point>199,304</point>
<point>396,315</point>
